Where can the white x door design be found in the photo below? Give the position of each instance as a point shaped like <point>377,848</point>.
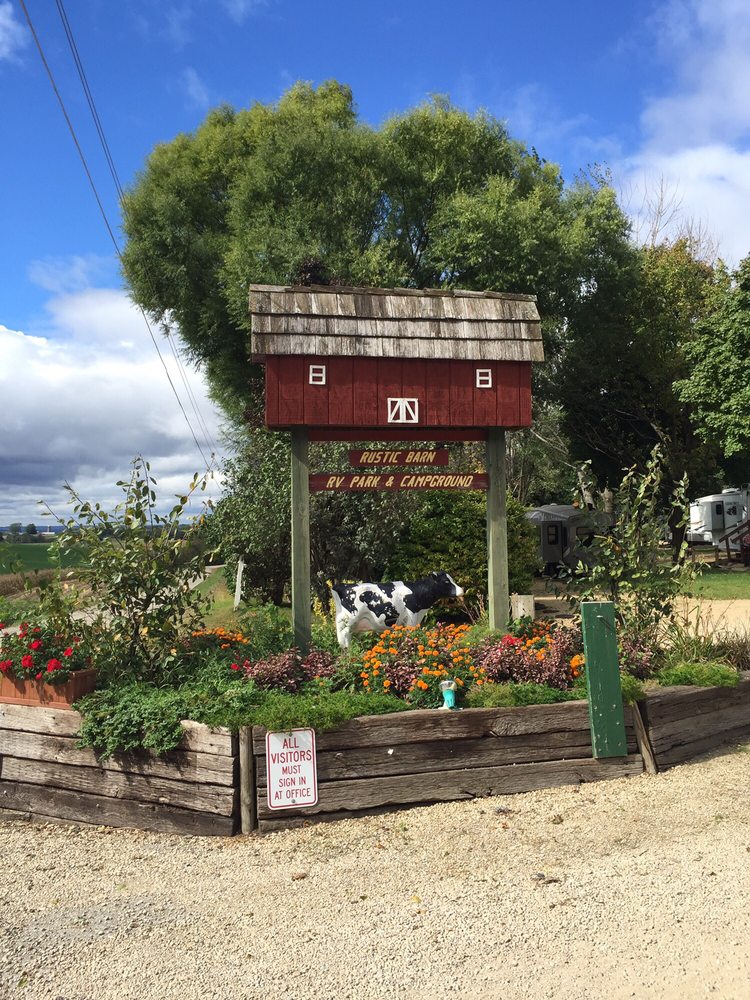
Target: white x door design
<point>403,411</point>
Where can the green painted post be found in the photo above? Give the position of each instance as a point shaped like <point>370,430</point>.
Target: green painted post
<point>301,617</point>
<point>497,531</point>
<point>603,679</point>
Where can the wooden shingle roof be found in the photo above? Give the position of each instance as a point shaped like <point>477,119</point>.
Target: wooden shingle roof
<point>334,320</point>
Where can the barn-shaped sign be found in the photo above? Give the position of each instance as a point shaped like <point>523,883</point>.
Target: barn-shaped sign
<point>415,363</point>
<point>395,364</point>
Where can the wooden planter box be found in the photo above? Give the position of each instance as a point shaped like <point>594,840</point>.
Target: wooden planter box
<point>45,775</point>
<point>684,722</point>
<point>33,692</point>
<point>381,762</point>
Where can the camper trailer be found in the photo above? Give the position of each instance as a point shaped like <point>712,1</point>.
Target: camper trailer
<point>714,516</point>
<point>566,533</point>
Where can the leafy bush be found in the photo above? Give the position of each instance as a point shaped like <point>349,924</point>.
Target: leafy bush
<point>629,568</point>
<point>710,674</point>
<point>449,531</point>
<point>268,630</point>
<point>509,695</point>
<point>142,716</point>
<point>135,566</point>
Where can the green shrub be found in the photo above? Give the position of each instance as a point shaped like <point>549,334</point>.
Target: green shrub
<point>324,637</point>
<point>448,531</point>
<point>142,716</point>
<point>632,688</point>
<point>268,629</point>
<point>509,695</point>
<point>135,564</point>
<point>702,674</point>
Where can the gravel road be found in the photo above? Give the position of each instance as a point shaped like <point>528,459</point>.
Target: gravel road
<point>630,888</point>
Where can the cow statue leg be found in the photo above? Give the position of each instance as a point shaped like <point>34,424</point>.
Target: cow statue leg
<point>344,631</point>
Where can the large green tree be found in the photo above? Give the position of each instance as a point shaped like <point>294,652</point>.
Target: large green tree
<point>630,338</point>
<point>436,196</point>
<point>717,383</point>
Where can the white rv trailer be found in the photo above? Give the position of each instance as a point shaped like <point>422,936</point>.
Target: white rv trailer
<point>713,516</point>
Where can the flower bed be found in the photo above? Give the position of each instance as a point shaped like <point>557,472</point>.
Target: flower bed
<point>39,666</point>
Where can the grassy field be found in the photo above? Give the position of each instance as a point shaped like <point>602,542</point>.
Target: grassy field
<point>33,556</point>
<point>722,585</point>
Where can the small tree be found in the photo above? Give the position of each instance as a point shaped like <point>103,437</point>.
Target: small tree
<point>14,531</point>
<point>139,575</point>
<point>631,569</point>
<point>31,529</point>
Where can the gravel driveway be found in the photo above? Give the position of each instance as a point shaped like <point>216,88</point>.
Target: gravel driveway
<point>630,888</point>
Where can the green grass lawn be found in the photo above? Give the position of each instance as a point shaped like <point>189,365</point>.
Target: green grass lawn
<point>722,585</point>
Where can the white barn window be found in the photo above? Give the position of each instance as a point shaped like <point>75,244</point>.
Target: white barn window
<point>317,374</point>
<point>484,378</point>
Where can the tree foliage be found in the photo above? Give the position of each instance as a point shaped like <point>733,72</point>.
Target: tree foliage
<point>630,569</point>
<point>717,385</point>
<point>435,197</point>
<point>138,565</point>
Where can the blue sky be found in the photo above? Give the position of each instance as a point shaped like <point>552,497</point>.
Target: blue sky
<point>653,89</point>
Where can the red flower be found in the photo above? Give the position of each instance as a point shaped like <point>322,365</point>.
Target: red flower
<point>38,677</point>
<point>68,651</point>
<point>5,665</point>
<point>235,666</point>
<point>53,665</point>
<point>36,629</point>
<point>27,661</point>
<point>36,644</point>
<point>2,624</point>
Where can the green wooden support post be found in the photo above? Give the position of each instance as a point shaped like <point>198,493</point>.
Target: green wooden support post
<point>497,531</point>
<point>603,679</point>
<point>301,617</point>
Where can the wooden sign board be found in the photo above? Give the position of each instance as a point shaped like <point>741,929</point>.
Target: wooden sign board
<point>398,481</point>
<point>411,456</point>
<point>292,768</point>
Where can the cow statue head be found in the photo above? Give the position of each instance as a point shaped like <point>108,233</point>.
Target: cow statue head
<point>446,586</point>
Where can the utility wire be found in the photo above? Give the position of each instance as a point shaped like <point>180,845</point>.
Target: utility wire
<point>103,213</point>
<point>120,192</point>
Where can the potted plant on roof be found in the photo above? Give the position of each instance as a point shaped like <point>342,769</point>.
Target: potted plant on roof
<point>40,666</point>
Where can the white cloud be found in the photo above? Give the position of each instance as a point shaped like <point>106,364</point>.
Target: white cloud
<point>238,10</point>
<point>13,35</point>
<point>82,395</point>
<point>696,134</point>
<point>195,89</point>
<point>177,20</point>
<point>70,274</point>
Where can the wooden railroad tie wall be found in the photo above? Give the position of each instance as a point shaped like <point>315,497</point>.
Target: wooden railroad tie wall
<point>420,757</point>
<point>684,722</point>
<point>45,776</point>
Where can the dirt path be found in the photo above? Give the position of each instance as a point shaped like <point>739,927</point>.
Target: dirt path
<point>631,888</point>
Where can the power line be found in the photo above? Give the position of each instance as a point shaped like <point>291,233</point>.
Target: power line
<point>103,213</point>
<point>118,186</point>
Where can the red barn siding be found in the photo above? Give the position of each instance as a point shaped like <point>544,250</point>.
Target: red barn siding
<point>462,394</point>
<point>357,390</point>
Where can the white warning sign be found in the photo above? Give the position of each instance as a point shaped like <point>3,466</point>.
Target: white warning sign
<point>292,769</point>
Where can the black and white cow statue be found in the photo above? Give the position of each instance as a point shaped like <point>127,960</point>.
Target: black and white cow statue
<point>374,607</point>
